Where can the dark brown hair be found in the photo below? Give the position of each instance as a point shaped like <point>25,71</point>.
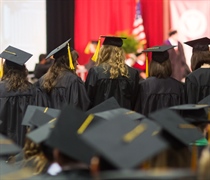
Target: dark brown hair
<point>15,76</point>
<point>160,70</point>
<point>56,71</point>
<point>198,58</point>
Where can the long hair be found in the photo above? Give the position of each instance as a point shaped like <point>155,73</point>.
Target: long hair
<point>56,71</point>
<point>113,59</point>
<point>160,70</point>
<point>15,76</point>
<point>198,58</point>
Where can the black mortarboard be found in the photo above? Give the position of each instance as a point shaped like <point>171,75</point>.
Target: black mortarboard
<point>159,53</point>
<point>106,105</point>
<point>7,146</point>
<point>40,118</point>
<point>153,174</point>
<point>193,113</point>
<point>42,133</point>
<point>64,136</point>
<point>113,40</point>
<point>138,54</point>
<point>31,109</point>
<point>60,50</point>
<point>205,100</point>
<point>176,126</point>
<point>111,114</point>
<point>201,44</point>
<point>124,143</point>
<point>15,55</point>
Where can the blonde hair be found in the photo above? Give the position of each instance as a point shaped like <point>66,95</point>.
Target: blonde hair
<point>204,165</point>
<point>113,59</point>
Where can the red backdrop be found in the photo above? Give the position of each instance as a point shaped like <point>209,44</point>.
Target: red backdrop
<point>103,17</point>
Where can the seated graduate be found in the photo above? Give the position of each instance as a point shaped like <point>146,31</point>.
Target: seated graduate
<point>60,85</point>
<point>112,77</point>
<point>159,90</point>
<point>16,93</point>
<point>197,82</point>
<point>126,145</point>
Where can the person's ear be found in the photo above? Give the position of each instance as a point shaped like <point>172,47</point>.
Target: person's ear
<point>94,165</point>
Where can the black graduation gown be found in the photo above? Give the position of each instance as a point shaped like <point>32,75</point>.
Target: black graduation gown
<point>155,94</point>
<point>100,87</point>
<point>197,85</point>
<point>70,89</point>
<point>12,109</point>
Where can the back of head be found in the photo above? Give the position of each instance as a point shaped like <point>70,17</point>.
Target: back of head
<point>160,70</point>
<point>42,56</point>
<point>113,58</point>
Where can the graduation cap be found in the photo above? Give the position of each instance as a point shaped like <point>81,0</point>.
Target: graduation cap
<point>7,146</point>
<point>61,50</point>
<point>15,55</point>
<point>205,100</point>
<point>65,135</point>
<point>31,110</point>
<point>176,126</point>
<point>40,118</point>
<point>159,53</point>
<point>111,114</point>
<point>201,44</point>
<point>153,174</point>
<point>193,113</point>
<point>42,133</point>
<point>108,40</point>
<point>124,143</point>
<point>106,105</point>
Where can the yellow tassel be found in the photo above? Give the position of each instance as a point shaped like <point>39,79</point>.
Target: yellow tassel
<point>147,66</point>
<point>70,58</point>
<point>87,49</point>
<point>1,68</point>
<point>194,158</point>
<point>95,56</point>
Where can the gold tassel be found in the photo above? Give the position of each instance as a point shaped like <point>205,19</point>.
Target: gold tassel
<point>208,126</point>
<point>70,58</point>
<point>147,66</point>
<point>95,56</point>
<point>1,69</point>
<point>194,158</point>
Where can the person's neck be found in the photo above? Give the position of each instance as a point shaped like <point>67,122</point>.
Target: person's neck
<point>205,65</point>
<point>75,165</point>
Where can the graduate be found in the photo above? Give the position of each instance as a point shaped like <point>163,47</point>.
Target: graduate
<point>112,77</point>
<point>197,82</point>
<point>60,85</point>
<point>160,90</point>
<point>16,93</point>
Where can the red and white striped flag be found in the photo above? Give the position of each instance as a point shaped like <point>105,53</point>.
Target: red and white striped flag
<point>138,27</point>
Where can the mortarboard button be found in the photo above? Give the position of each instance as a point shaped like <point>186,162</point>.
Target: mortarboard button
<point>15,55</point>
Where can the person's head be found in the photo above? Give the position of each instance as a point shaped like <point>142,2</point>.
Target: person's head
<point>15,76</point>
<point>42,57</point>
<point>113,59</point>
<point>199,58</point>
<point>160,70</point>
<point>56,71</point>
<point>173,34</point>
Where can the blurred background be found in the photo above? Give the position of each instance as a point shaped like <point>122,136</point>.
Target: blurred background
<point>40,26</point>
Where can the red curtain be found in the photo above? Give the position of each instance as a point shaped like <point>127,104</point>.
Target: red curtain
<point>103,17</point>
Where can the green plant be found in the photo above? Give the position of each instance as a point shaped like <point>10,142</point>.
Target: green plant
<point>130,45</point>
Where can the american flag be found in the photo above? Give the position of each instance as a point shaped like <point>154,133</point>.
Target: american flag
<point>138,27</point>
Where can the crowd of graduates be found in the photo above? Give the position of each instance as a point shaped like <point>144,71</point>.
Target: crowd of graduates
<point>114,125</point>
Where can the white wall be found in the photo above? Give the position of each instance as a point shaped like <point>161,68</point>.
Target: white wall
<point>23,25</point>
